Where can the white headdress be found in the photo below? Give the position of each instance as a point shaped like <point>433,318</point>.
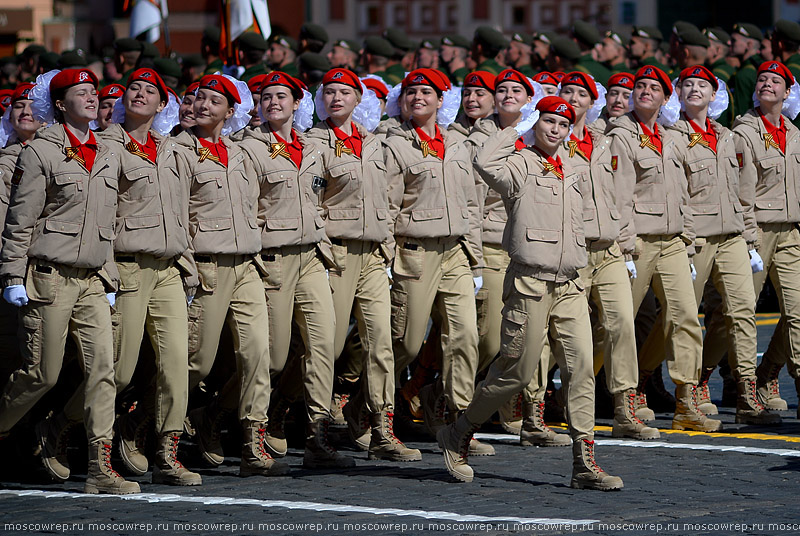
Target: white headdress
<point>42,105</point>
<point>241,110</point>
<point>791,106</point>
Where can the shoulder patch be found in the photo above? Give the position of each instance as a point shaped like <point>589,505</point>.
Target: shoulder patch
<point>740,159</point>
<point>17,176</point>
<point>614,162</point>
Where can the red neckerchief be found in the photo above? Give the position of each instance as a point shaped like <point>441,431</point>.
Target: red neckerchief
<point>295,148</point>
<point>148,150</point>
<point>217,150</point>
<point>554,166</point>
<point>352,142</point>
<point>83,153</point>
<point>519,144</point>
<point>778,134</point>
<point>708,135</point>
<point>654,136</point>
<point>581,145</point>
<point>431,146</point>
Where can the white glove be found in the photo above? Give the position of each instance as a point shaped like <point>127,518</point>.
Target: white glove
<point>328,274</point>
<point>631,266</point>
<point>16,295</point>
<point>526,123</point>
<point>756,263</point>
<point>112,298</point>
<point>189,299</point>
<point>478,283</point>
<point>389,272</point>
<point>693,271</point>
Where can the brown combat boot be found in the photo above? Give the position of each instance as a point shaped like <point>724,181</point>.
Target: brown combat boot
<point>167,469</point>
<point>101,477</point>
<point>643,413</point>
<point>338,402</point>
<point>320,454</point>
<point>687,416</point>
<point>626,424</point>
<point>358,423</point>
<point>255,459</point>
<point>434,408</point>
<point>384,444</point>
<point>749,409</point>
<point>133,427</point>
<point>586,474</point>
<point>52,435</point>
<point>275,437</point>
<point>206,423</point>
<point>768,388</point>
<point>454,440</point>
<point>511,415</point>
<point>704,403</point>
<point>534,432</point>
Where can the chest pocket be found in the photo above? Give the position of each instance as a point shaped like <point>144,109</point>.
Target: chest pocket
<point>69,187</point>
<point>700,175</point>
<point>139,184</point>
<point>547,190</point>
<point>770,170</point>
<point>279,184</point>
<point>423,177</point>
<point>649,171</point>
<point>209,185</point>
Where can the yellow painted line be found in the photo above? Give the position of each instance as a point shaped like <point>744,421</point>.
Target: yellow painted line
<point>767,322</point>
<point>762,437</point>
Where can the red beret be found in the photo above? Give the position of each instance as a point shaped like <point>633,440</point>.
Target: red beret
<point>278,78</point>
<point>650,72</point>
<point>192,89</point>
<point>546,78</point>
<point>511,75</point>
<point>778,68</point>
<point>5,98</point>
<point>342,76</point>
<point>426,77</point>
<point>482,79</point>
<point>72,77</point>
<point>698,71</point>
<point>621,79</point>
<point>21,92</point>
<point>378,87</point>
<point>556,105</point>
<point>151,77</point>
<point>111,91</point>
<point>220,84</point>
<point>254,84</point>
<point>577,78</point>
<point>559,75</point>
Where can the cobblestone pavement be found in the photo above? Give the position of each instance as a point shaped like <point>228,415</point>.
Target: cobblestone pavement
<point>741,481</point>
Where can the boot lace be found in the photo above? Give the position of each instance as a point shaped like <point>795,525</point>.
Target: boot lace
<point>262,453</point>
<point>517,407</point>
<point>695,403</point>
<point>173,452</point>
<point>632,408</point>
<point>772,381</point>
<point>540,418</point>
<point>751,388</point>
<point>324,438</point>
<point>705,394</point>
<point>590,457</point>
<point>105,462</point>
<point>388,419</point>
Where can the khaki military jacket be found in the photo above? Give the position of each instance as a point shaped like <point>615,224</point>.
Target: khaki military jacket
<point>493,210</point>
<point>59,212</point>
<point>713,183</point>
<point>384,126</point>
<point>460,127</point>
<point>355,201</point>
<point>651,188</point>
<point>430,197</point>
<point>769,180</point>
<point>600,212</point>
<point>290,202</point>
<point>544,235</point>
<point>223,202</point>
<point>8,163</point>
<point>153,203</point>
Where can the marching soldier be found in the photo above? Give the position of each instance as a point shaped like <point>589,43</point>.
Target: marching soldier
<point>745,45</point>
<point>587,37</point>
<point>644,46</point>
<point>453,52</point>
<point>487,46</point>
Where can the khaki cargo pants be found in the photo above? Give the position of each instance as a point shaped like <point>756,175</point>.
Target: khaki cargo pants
<point>63,301</point>
<point>231,291</point>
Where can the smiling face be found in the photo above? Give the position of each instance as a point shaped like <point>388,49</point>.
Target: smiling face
<point>277,105</point>
<point>21,119</point>
<point>579,97</point>
<point>617,100</point>
<point>510,97</point>
<point>211,108</point>
<point>550,130</point>
<point>340,100</point>
<point>186,113</point>
<point>696,93</point>
<point>421,102</point>
<point>104,113</point>
<point>142,99</point>
<point>648,95</point>
<point>477,102</point>
<point>79,103</point>
<point>771,88</point>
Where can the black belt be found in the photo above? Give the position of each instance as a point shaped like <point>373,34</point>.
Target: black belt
<point>125,258</point>
<point>203,258</point>
<point>337,241</point>
<point>412,247</point>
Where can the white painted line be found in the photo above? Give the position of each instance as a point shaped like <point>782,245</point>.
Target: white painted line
<point>661,444</point>
<point>301,505</point>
